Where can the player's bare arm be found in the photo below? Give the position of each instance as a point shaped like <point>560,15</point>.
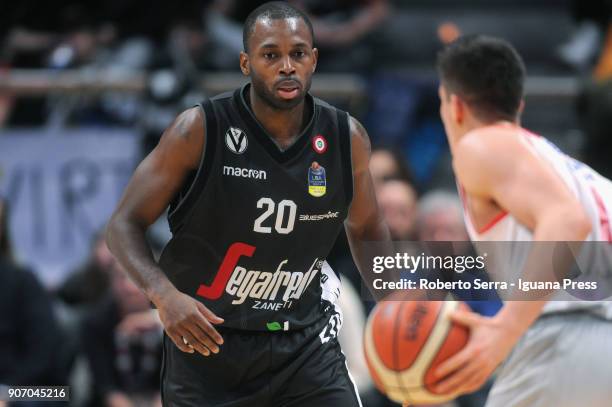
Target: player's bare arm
<point>154,184</point>
<point>493,165</point>
<point>364,222</point>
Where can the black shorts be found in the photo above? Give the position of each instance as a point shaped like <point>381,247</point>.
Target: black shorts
<point>302,368</point>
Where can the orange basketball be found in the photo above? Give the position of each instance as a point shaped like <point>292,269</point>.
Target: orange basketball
<point>404,343</point>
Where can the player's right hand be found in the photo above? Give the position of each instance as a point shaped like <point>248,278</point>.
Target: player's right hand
<point>189,323</point>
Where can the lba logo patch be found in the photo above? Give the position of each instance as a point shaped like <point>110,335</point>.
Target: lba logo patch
<point>236,140</point>
<point>319,144</point>
<point>317,185</point>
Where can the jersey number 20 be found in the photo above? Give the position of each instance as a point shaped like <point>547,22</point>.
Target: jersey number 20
<point>286,207</point>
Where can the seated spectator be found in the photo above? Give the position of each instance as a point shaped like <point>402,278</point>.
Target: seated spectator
<point>31,349</point>
<point>90,282</point>
<point>398,202</point>
<point>344,31</point>
<point>122,341</point>
<point>440,219</point>
<point>386,163</point>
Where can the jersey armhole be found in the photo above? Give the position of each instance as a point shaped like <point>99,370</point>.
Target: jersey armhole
<point>346,155</point>
<point>178,214</point>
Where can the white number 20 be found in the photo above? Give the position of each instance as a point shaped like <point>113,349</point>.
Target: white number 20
<point>283,205</point>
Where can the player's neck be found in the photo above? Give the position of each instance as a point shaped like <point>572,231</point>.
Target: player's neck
<point>283,125</point>
<point>474,124</point>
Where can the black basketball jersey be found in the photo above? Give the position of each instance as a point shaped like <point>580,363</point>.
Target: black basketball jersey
<point>253,229</point>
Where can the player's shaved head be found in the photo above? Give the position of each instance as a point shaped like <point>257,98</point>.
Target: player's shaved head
<point>274,10</point>
<point>487,73</point>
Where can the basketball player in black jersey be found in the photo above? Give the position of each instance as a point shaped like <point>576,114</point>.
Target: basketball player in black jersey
<point>259,182</point>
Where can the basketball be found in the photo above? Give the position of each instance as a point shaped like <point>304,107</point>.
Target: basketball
<point>405,341</point>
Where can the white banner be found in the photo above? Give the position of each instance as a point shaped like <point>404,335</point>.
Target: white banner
<point>62,188</point>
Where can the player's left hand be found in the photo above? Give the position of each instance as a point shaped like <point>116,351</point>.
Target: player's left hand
<point>489,344</point>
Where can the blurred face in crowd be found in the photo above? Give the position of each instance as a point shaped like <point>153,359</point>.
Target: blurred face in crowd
<point>280,61</point>
<point>398,202</point>
<point>128,295</point>
<point>382,165</point>
<point>442,225</point>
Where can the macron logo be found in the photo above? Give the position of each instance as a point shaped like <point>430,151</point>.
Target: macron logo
<point>244,172</point>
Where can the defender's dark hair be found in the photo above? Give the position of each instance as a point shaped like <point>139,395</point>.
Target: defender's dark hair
<point>487,73</point>
<point>274,10</point>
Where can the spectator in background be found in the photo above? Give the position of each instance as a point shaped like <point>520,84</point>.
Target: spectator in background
<point>595,113</point>
<point>397,199</point>
<point>387,163</point>
<point>31,351</point>
<point>122,341</point>
<point>591,18</point>
<point>90,282</point>
<point>343,31</point>
<point>440,219</point>
<point>223,24</point>
<point>114,36</point>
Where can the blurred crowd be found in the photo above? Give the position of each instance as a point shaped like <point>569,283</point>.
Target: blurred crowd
<point>389,44</point>
<point>95,331</point>
<point>174,43</point>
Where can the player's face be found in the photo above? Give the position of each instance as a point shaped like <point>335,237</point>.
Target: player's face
<point>280,61</point>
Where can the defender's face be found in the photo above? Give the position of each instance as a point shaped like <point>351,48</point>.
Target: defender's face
<point>280,61</point>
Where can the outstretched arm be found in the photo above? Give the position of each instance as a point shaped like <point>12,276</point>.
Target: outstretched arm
<point>154,184</point>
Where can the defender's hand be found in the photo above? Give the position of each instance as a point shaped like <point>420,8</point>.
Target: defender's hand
<point>189,323</point>
<point>489,344</point>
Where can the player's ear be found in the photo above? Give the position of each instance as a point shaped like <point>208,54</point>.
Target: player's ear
<point>245,65</point>
<point>315,58</point>
<point>457,109</point>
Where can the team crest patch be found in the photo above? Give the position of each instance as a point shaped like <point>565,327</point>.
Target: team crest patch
<point>317,185</point>
<point>319,144</point>
<point>236,140</point>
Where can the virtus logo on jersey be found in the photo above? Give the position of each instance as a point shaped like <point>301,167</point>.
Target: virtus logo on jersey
<point>268,290</point>
<point>236,140</point>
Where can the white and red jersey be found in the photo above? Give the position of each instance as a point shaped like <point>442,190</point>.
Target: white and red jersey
<point>594,193</point>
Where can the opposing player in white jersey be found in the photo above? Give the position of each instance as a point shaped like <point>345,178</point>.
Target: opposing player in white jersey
<point>517,186</point>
